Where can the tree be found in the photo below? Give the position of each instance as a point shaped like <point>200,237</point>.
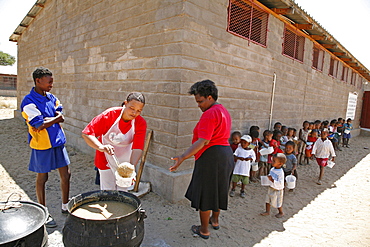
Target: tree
<point>6,59</point>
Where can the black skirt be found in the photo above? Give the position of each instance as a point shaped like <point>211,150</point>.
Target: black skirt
<point>209,185</point>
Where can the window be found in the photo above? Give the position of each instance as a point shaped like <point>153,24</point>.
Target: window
<point>345,74</point>
<point>293,45</point>
<point>333,70</point>
<point>318,58</point>
<point>248,21</point>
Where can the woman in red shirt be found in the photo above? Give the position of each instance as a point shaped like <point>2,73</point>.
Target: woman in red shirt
<point>214,162</point>
<point>120,131</point>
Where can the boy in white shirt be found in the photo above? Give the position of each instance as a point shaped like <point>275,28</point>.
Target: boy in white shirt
<point>322,150</point>
<point>243,156</point>
<point>275,192</point>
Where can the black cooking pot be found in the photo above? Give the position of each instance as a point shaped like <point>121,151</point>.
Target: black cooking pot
<point>124,231</point>
<point>22,224</point>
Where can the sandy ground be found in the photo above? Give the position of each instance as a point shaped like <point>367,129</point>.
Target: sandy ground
<point>333,214</point>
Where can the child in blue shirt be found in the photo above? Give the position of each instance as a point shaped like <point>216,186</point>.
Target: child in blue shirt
<point>347,127</point>
<point>43,114</point>
<point>275,192</point>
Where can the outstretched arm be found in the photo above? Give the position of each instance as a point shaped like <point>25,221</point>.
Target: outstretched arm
<point>193,149</point>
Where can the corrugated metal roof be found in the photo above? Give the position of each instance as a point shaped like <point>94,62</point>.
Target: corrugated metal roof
<point>294,14</point>
<point>36,8</point>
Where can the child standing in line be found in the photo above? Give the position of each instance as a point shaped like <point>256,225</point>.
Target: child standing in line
<point>263,160</point>
<point>347,132</point>
<point>333,134</point>
<point>243,156</point>
<point>254,145</point>
<point>322,150</point>
<point>43,114</point>
<point>235,140</point>
<point>290,167</point>
<point>284,129</point>
<point>275,143</point>
<point>302,141</point>
<point>311,126</point>
<point>275,192</point>
<point>317,126</point>
<point>288,137</point>
<point>339,130</point>
<point>311,139</point>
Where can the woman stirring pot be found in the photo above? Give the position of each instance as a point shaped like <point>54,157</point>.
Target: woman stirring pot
<point>119,131</point>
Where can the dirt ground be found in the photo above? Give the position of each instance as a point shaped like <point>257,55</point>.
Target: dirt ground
<point>335,213</point>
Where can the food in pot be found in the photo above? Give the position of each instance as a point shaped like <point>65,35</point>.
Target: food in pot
<point>125,170</point>
<point>103,210</point>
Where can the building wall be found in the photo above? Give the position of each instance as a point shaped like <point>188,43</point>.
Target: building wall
<point>103,51</point>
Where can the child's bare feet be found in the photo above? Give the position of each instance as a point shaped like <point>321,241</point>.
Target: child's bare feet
<point>265,213</point>
<point>279,215</point>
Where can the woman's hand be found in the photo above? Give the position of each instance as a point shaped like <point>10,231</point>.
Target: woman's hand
<point>109,149</point>
<point>178,160</point>
<point>193,149</point>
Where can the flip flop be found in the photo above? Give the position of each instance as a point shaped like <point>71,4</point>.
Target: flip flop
<point>214,227</point>
<point>196,230</point>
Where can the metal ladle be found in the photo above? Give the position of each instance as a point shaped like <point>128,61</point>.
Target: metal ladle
<point>115,159</point>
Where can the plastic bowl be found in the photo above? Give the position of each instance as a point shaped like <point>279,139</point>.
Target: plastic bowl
<point>124,182</point>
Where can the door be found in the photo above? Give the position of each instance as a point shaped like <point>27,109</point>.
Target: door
<point>365,115</point>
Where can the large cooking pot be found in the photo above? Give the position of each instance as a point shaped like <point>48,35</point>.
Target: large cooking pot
<point>125,230</point>
<point>22,224</point>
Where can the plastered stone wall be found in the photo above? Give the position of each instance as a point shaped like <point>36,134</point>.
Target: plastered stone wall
<point>99,51</point>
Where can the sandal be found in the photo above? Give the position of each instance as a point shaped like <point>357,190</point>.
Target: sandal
<point>214,227</point>
<point>196,230</point>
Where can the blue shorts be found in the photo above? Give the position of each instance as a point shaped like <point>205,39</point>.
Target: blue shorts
<point>43,161</point>
<point>347,135</point>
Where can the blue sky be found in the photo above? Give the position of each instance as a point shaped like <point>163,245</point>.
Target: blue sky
<point>346,20</point>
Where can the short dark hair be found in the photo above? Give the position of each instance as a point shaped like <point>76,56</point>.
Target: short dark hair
<point>253,127</point>
<point>204,88</point>
<point>277,123</point>
<point>41,72</point>
<point>281,157</point>
<point>267,132</point>
<point>254,134</point>
<point>276,133</point>
<point>236,133</point>
<point>135,96</point>
<point>290,143</point>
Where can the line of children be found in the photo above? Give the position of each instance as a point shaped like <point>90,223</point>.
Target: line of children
<point>289,150</point>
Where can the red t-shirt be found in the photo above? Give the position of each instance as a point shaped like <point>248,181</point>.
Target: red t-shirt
<point>276,145</point>
<point>214,125</point>
<point>100,125</point>
<point>234,146</point>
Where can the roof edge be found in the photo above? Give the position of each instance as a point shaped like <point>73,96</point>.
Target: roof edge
<point>31,15</point>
